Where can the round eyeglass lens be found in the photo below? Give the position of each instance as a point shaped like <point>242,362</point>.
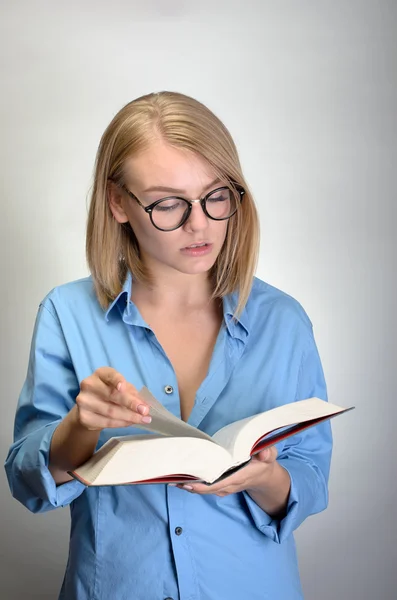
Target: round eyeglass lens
<point>169,213</point>
<point>221,204</point>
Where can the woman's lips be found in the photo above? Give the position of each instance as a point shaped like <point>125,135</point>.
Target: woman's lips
<point>197,250</point>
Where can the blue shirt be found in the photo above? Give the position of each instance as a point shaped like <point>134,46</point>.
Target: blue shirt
<point>157,542</point>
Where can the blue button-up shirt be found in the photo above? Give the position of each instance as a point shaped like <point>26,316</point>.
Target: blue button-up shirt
<point>152,542</point>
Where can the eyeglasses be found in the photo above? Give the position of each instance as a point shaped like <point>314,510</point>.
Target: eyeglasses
<point>170,213</point>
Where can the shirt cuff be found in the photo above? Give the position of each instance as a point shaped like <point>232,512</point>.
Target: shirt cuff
<point>305,498</point>
<point>29,477</point>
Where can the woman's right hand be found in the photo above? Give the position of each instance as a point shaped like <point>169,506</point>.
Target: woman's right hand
<point>106,399</point>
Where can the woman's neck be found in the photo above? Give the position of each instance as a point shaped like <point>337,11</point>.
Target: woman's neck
<point>177,291</point>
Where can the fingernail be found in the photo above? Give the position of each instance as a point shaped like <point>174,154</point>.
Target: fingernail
<point>146,419</point>
<point>142,409</point>
<point>187,487</point>
<point>172,485</point>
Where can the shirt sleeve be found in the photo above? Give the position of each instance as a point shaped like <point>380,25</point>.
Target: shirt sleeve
<point>306,457</point>
<point>48,394</point>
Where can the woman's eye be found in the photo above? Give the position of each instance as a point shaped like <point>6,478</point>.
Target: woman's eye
<point>218,198</point>
<point>168,206</point>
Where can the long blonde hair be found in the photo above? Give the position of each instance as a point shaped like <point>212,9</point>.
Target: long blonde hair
<point>182,122</point>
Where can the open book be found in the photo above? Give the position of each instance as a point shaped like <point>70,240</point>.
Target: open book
<point>176,452</point>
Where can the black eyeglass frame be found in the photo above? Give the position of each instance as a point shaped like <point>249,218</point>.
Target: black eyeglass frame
<point>203,201</point>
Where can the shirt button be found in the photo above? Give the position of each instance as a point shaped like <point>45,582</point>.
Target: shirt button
<point>178,530</point>
<point>169,598</point>
<point>168,389</point>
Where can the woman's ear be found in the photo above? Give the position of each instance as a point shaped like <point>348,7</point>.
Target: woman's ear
<point>115,197</point>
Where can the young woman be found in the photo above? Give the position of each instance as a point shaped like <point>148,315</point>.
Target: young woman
<point>172,303</point>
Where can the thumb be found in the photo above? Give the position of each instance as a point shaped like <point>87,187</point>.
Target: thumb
<point>267,455</point>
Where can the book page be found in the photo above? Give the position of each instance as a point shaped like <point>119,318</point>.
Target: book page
<point>240,437</point>
<point>227,436</point>
<point>147,458</point>
<point>164,422</point>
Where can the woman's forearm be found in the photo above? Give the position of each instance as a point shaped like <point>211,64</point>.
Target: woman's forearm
<point>272,496</point>
<point>72,444</point>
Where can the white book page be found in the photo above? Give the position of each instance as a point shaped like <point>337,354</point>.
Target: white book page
<point>138,458</point>
<point>227,436</point>
<point>238,438</point>
<point>164,422</point>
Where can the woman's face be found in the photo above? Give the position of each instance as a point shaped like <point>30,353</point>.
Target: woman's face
<point>180,173</point>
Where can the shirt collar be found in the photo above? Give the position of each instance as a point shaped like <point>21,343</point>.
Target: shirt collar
<point>238,327</point>
<point>123,296</point>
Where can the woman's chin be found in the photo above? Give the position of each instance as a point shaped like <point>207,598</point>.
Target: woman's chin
<point>198,266</point>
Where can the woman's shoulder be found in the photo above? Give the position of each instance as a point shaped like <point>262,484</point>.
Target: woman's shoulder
<point>267,301</point>
<point>75,294</point>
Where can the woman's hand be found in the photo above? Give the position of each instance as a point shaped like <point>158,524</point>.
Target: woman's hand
<point>255,475</point>
<point>263,478</point>
<point>107,400</point>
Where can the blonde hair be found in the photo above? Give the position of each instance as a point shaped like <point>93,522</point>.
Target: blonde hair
<point>182,122</point>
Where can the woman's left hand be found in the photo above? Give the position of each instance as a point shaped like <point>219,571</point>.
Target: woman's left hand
<point>254,476</point>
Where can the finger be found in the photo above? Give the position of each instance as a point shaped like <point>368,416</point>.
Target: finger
<point>121,391</point>
<point>96,387</point>
<point>129,396</point>
<point>93,422</point>
<point>112,378</point>
<point>89,402</point>
<point>201,488</point>
<point>206,490</point>
<point>268,455</point>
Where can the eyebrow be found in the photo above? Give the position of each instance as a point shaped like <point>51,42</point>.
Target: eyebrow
<point>162,188</point>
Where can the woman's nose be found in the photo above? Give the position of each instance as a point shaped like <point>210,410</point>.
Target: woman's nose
<point>197,220</point>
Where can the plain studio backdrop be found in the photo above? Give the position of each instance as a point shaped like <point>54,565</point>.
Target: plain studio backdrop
<point>308,90</point>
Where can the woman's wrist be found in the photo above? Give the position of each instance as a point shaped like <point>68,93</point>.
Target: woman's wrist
<point>271,492</point>
<point>71,445</point>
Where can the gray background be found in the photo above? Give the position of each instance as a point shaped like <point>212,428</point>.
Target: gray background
<point>308,90</point>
